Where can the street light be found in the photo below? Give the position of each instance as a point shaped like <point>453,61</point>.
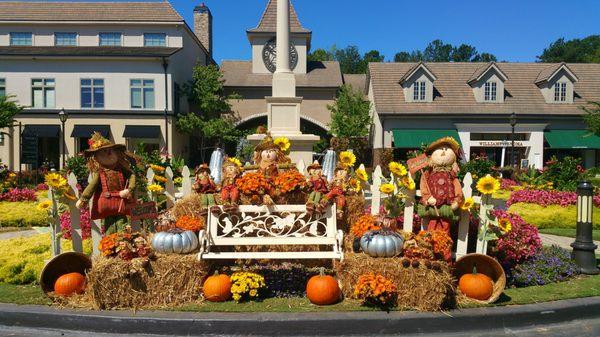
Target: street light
<point>513,123</point>
<point>584,247</point>
<point>63,116</point>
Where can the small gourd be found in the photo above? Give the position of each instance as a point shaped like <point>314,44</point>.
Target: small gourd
<point>476,285</point>
<point>382,243</point>
<point>323,289</point>
<point>175,241</point>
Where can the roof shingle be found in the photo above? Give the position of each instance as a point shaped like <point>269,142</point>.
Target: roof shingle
<point>268,21</point>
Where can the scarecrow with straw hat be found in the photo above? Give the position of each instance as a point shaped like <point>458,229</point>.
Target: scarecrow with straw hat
<point>112,184</point>
<point>317,184</point>
<point>206,188</point>
<point>338,190</point>
<point>441,191</point>
<point>270,156</point>
<point>230,194</point>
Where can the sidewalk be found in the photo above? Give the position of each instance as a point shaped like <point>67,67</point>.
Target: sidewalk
<point>18,234</point>
<point>561,241</point>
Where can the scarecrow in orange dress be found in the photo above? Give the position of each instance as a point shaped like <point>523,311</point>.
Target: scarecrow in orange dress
<point>206,188</point>
<point>230,194</point>
<point>338,190</point>
<point>317,184</point>
<point>112,184</point>
<point>441,191</point>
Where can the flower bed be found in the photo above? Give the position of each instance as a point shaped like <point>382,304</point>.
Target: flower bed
<point>547,198</point>
<point>22,214</point>
<point>517,245</point>
<point>550,265</point>
<point>553,216</point>
<point>18,194</point>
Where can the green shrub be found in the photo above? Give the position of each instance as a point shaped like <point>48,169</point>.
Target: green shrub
<point>553,216</point>
<point>22,214</point>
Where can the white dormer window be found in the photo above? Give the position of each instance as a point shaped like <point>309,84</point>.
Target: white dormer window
<point>419,89</point>
<point>490,91</point>
<point>560,92</point>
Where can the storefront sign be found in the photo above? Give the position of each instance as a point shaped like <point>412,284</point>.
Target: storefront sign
<point>29,150</point>
<point>497,143</point>
<point>146,210</point>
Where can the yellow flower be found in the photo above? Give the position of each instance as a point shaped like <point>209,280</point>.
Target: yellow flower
<point>236,161</point>
<point>467,204</point>
<point>488,185</point>
<point>44,205</point>
<point>253,292</point>
<point>362,174</point>
<point>347,158</point>
<point>505,225</point>
<point>397,169</point>
<point>157,168</point>
<point>155,188</point>
<point>283,143</point>
<point>178,180</point>
<point>160,179</point>
<point>387,188</point>
<point>408,182</point>
<point>12,175</point>
<point>355,184</point>
<point>55,180</point>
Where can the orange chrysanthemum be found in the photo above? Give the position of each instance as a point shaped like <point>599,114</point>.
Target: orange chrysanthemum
<point>289,181</point>
<point>375,289</point>
<point>253,183</point>
<point>190,223</point>
<point>364,224</point>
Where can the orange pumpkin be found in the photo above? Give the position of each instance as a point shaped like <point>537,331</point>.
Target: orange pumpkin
<point>69,284</point>
<point>217,288</point>
<point>323,289</point>
<point>476,286</point>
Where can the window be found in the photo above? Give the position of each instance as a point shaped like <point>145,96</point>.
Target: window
<point>490,91</point>
<point>2,87</point>
<point>419,91</point>
<point>43,92</point>
<point>155,40</point>
<point>142,94</point>
<point>20,39</point>
<point>92,93</point>
<point>110,39</point>
<point>65,39</point>
<point>560,92</point>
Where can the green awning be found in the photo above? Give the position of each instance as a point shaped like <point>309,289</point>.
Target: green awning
<point>572,139</point>
<point>413,139</point>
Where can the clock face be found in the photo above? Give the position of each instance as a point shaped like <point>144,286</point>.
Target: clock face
<point>269,55</point>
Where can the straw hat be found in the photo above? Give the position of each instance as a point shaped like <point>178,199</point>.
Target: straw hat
<point>448,141</point>
<point>314,166</point>
<point>203,168</point>
<point>267,144</point>
<point>98,142</point>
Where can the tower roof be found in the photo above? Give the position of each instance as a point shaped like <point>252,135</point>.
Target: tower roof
<point>268,21</point>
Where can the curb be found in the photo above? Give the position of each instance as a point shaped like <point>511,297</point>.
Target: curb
<point>290,324</point>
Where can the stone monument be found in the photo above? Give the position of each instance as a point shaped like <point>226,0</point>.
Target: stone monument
<point>283,107</point>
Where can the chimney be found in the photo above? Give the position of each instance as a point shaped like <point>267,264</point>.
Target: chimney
<point>203,27</point>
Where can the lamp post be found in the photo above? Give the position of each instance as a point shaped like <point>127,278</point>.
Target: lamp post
<point>63,116</point>
<point>584,247</point>
<point>513,123</point>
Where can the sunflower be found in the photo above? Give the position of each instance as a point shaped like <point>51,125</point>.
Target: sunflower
<point>361,174</point>
<point>178,180</point>
<point>397,169</point>
<point>157,168</point>
<point>55,180</point>
<point>355,184</point>
<point>467,204</point>
<point>283,143</point>
<point>44,205</point>
<point>347,158</point>
<point>155,188</point>
<point>236,161</point>
<point>488,185</point>
<point>386,188</point>
<point>408,182</point>
<point>160,179</point>
<point>505,225</point>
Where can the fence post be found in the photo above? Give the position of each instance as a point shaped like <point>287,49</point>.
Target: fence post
<point>186,183</point>
<point>301,167</point>
<point>96,229</point>
<point>55,225</point>
<point>75,214</point>
<point>375,193</point>
<point>409,209</point>
<point>463,225</point>
<point>483,218</point>
<point>169,188</point>
<point>150,179</point>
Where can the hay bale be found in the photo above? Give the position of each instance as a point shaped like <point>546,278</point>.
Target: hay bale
<point>170,280</point>
<point>420,288</point>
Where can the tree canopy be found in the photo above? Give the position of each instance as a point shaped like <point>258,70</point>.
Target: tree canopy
<point>8,110</point>
<point>585,50</point>
<point>350,59</point>
<point>592,118</point>
<point>350,114</point>
<point>438,51</point>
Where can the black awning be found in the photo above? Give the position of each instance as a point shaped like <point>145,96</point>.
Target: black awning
<point>86,131</point>
<point>50,131</point>
<point>141,131</point>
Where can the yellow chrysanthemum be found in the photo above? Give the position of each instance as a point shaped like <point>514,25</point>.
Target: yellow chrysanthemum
<point>467,204</point>
<point>236,161</point>
<point>283,143</point>
<point>387,188</point>
<point>347,158</point>
<point>362,174</point>
<point>155,188</point>
<point>157,168</point>
<point>55,180</point>
<point>488,185</point>
<point>44,205</point>
<point>397,169</point>
<point>505,225</point>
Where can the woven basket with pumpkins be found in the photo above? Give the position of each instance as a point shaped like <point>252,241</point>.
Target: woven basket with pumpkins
<point>481,279</point>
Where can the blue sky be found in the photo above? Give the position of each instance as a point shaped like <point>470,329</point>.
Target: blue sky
<point>513,30</point>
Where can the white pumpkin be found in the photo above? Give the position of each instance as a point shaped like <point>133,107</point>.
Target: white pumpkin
<point>175,241</point>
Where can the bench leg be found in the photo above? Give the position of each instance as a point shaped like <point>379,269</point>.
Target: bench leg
<point>340,243</point>
<point>203,237</point>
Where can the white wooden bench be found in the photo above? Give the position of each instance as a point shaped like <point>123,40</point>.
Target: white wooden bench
<point>273,226</point>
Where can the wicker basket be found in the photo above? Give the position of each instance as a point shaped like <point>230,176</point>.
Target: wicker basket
<point>65,263</point>
<point>485,265</point>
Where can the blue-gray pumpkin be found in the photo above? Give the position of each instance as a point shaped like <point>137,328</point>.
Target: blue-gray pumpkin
<point>175,242</point>
<point>382,243</point>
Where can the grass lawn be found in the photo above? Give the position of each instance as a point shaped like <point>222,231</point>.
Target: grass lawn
<point>502,195</point>
<point>568,232</point>
<point>21,214</point>
<point>584,286</point>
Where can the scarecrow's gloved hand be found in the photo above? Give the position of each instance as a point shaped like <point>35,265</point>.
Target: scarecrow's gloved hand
<point>125,194</point>
<point>431,201</point>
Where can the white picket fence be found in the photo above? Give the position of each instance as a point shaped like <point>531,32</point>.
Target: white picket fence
<point>372,194</point>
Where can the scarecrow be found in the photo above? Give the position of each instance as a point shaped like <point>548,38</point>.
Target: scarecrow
<point>269,157</point>
<point>338,190</point>
<point>317,184</point>
<point>206,188</point>
<point>230,194</point>
<point>112,184</point>
<point>441,191</point>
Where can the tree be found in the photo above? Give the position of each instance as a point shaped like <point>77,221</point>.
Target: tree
<point>402,56</point>
<point>351,62</point>
<point>320,55</point>
<point>373,56</point>
<point>464,53</point>
<point>438,51</point>
<point>585,50</point>
<point>8,110</point>
<point>350,114</point>
<point>592,118</point>
<point>485,57</point>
